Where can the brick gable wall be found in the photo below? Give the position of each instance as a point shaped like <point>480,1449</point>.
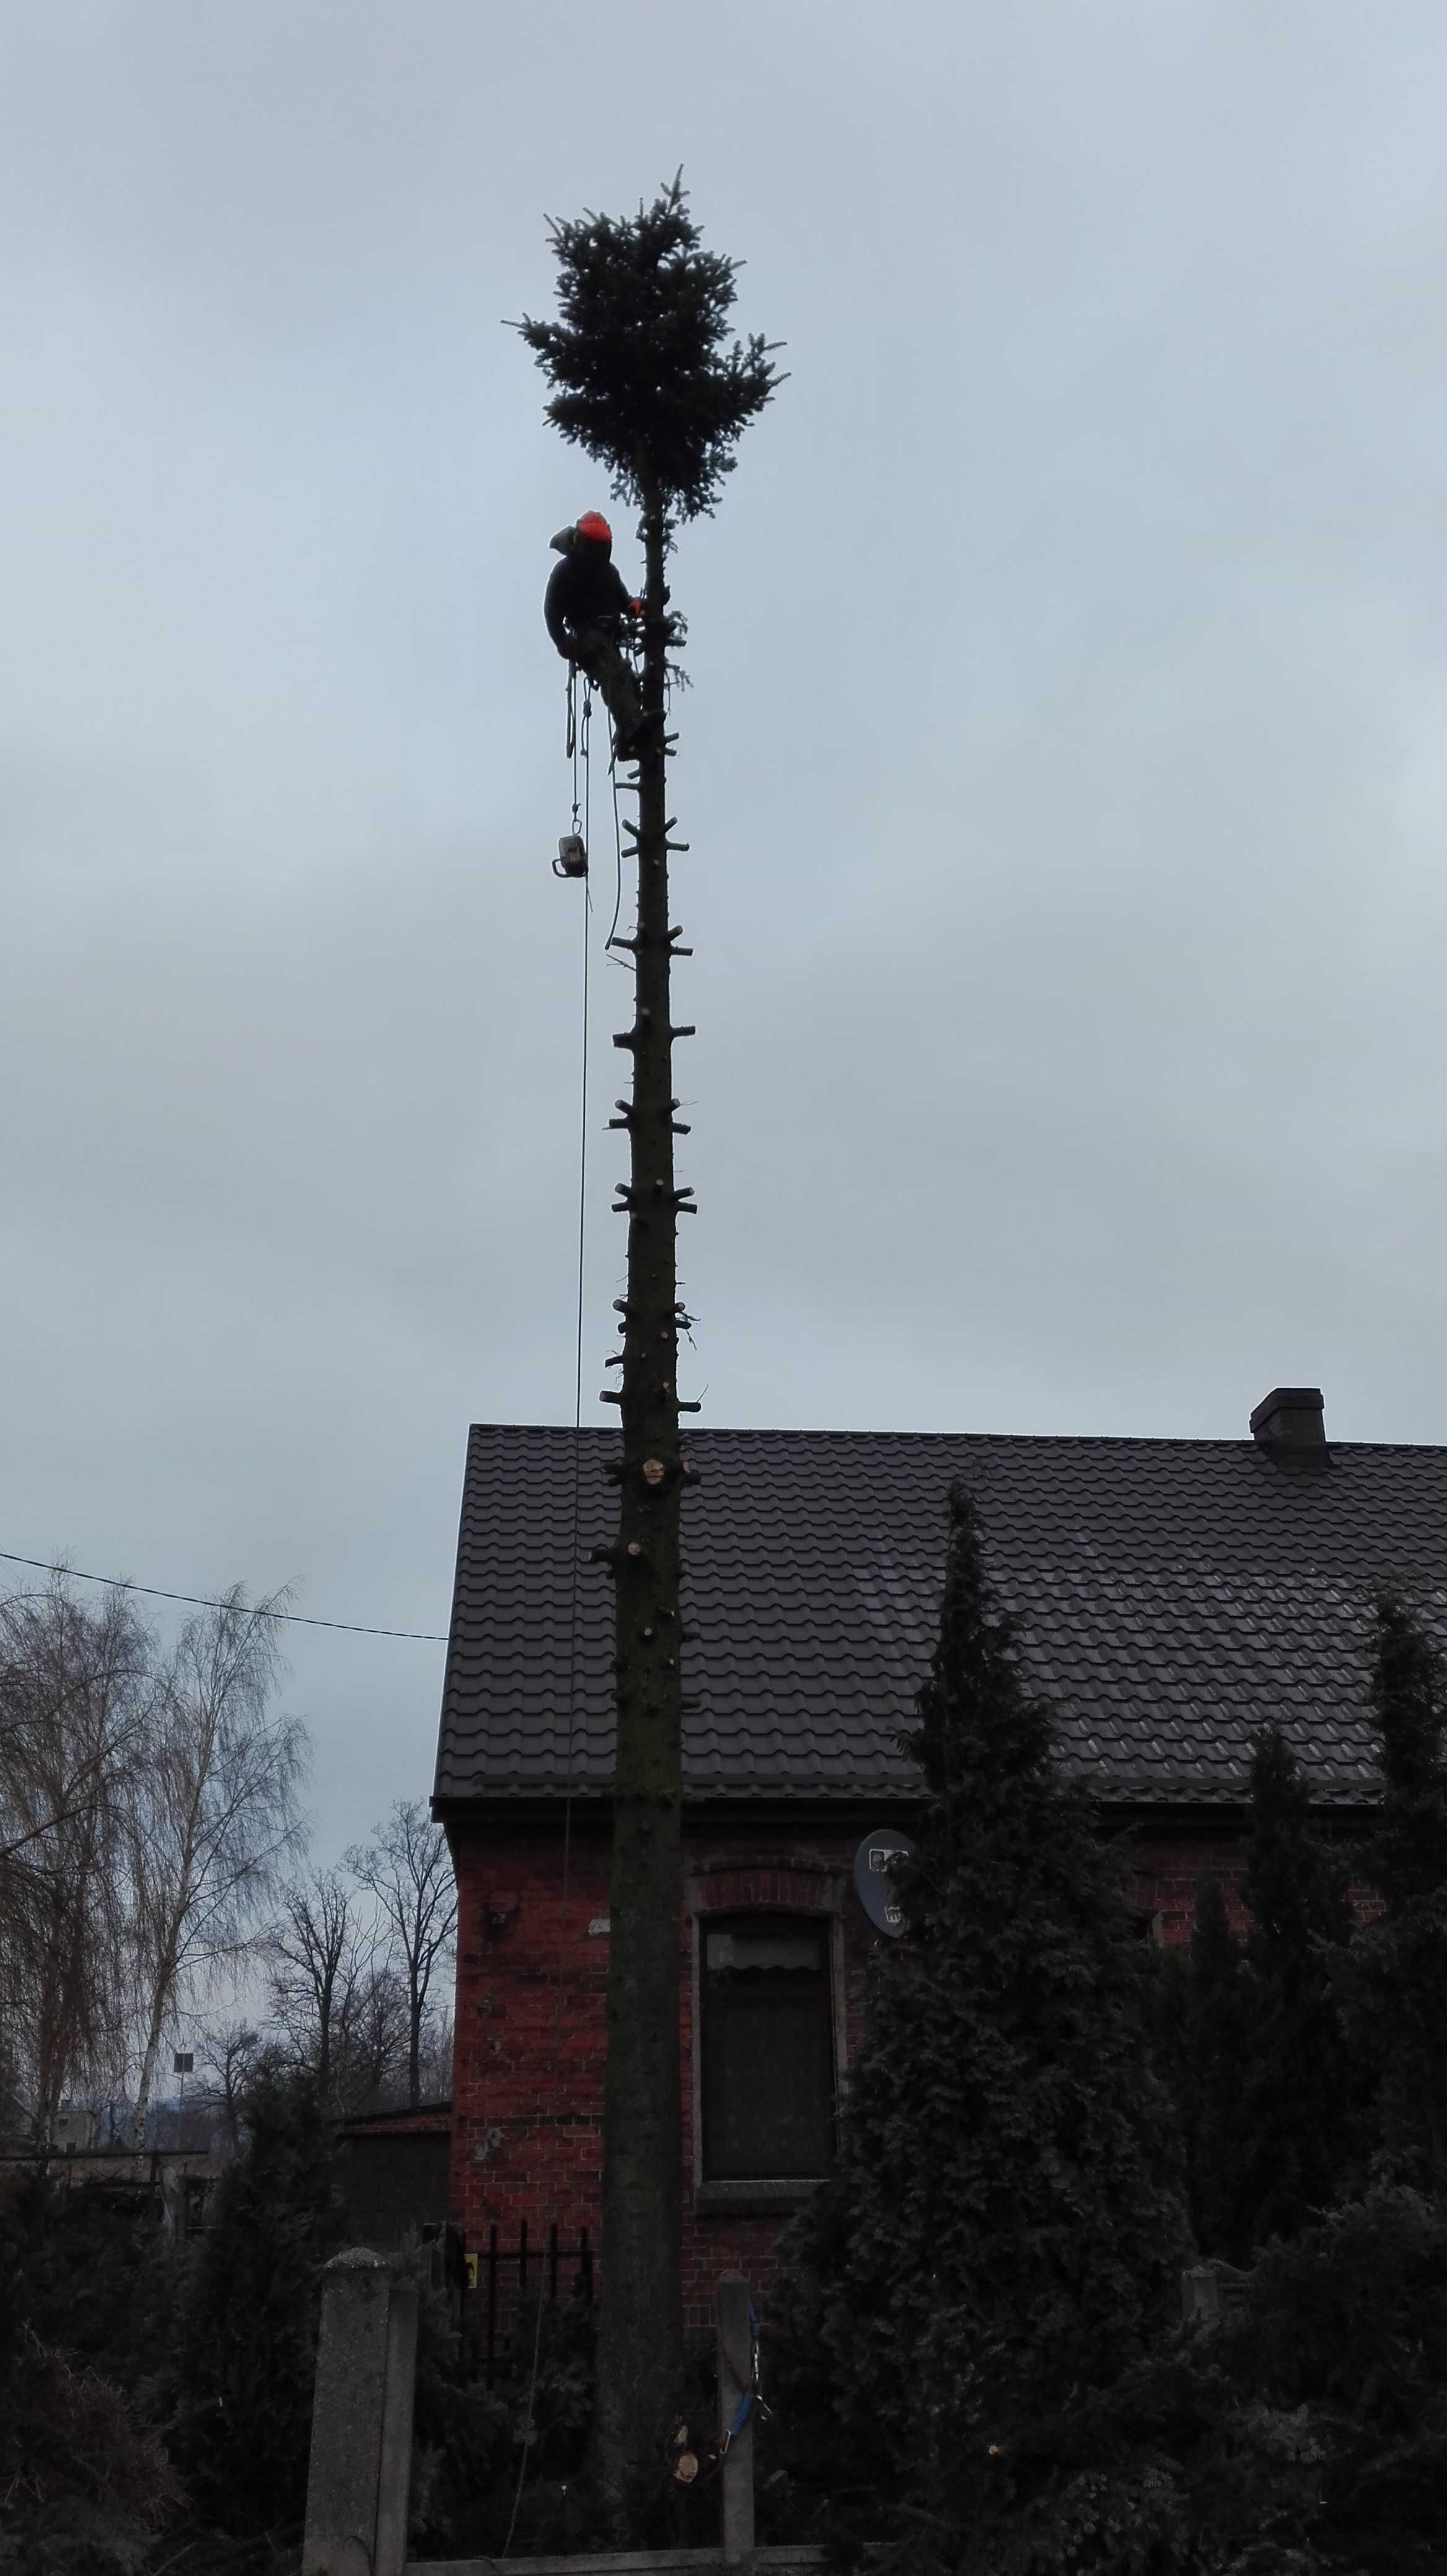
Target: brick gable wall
<point>531,2002</point>
<point>531,2026</point>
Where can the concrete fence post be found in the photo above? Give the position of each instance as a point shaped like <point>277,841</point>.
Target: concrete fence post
<point>1201,2295</point>
<point>361,2449</point>
<point>1211,2292</point>
<point>735,2381</point>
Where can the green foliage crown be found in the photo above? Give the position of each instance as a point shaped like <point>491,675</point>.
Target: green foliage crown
<point>645,376</point>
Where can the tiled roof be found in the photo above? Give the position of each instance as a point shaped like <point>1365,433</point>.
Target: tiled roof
<point>1170,1595</point>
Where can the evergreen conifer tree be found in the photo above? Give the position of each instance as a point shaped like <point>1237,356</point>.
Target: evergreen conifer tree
<point>247,2347</point>
<point>1004,2225</point>
<point>1299,2115</point>
<point>645,374</point>
<point>1256,2051</point>
<point>1211,2064</point>
<point>86,2295</point>
<point>1403,1955</point>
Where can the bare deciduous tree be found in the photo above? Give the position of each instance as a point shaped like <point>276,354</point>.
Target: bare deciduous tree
<point>310,1948</point>
<point>434,2078</point>
<point>229,2052</point>
<point>373,2037</point>
<point>334,1992</point>
<point>74,1719</point>
<point>408,1868</point>
<point>217,1817</point>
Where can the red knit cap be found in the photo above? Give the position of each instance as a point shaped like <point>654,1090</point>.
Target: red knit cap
<point>593,524</point>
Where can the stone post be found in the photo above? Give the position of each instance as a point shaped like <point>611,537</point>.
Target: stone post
<point>735,2381</point>
<point>361,2452</point>
<point>1201,2295</point>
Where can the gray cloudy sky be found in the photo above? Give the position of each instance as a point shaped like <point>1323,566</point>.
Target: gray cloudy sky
<point>1066,771</point>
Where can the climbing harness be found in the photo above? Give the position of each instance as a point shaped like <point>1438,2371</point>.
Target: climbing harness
<point>572,858</point>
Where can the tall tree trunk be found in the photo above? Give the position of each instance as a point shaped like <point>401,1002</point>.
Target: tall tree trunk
<point>641,2332</point>
<point>50,2061</point>
<point>162,1988</point>
<point>147,2075</point>
<point>415,2006</point>
<point>324,2040</point>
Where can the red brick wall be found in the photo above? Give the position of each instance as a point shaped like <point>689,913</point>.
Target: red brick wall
<point>531,2030</point>
<point>1162,1882</point>
<point>527,2074</point>
<point>1166,1866</point>
<point>531,1989</point>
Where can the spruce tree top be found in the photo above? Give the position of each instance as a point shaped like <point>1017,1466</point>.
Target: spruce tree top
<point>644,374</point>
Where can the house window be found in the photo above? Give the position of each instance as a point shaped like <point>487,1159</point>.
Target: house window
<point>767,2048</point>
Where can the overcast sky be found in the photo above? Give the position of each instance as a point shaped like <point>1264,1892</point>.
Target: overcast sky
<point>1065,771</point>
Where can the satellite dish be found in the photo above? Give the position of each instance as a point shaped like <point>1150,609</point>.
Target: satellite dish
<point>875,1888</point>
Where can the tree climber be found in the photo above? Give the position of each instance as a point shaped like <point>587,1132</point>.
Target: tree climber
<point>585,605</point>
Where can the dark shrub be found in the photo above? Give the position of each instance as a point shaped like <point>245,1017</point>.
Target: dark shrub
<point>248,2333</point>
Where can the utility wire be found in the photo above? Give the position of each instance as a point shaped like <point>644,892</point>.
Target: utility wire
<point>204,1601</point>
<point>430,1636</point>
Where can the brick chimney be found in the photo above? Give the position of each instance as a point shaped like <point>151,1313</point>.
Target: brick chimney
<point>1288,1425</point>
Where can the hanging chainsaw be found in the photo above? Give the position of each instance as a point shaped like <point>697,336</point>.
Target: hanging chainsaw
<point>572,858</point>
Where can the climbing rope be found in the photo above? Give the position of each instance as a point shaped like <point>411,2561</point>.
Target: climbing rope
<point>572,858</point>
<point>585,799</point>
<point>572,861</point>
<point>578,729</point>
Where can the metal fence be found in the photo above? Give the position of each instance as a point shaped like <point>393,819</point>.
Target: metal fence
<point>501,2275</point>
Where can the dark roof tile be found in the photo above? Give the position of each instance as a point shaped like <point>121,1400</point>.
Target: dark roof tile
<point>1169,1596</point>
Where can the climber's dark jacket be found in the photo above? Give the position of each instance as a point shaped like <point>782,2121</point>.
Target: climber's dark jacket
<point>585,593</point>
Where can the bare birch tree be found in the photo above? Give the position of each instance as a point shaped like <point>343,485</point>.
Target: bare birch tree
<point>75,1711</point>
<point>408,1868</point>
<point>217,1818</point>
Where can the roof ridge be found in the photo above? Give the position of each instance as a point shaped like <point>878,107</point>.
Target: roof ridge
<point>1192,1441</point>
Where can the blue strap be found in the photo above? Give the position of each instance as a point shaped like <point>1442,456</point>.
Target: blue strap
<point>746,2402</point>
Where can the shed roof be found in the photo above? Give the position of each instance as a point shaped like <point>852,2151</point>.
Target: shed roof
<point>1169,1596</point>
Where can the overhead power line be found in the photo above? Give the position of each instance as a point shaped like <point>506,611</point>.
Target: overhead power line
<point>203,1601</point>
